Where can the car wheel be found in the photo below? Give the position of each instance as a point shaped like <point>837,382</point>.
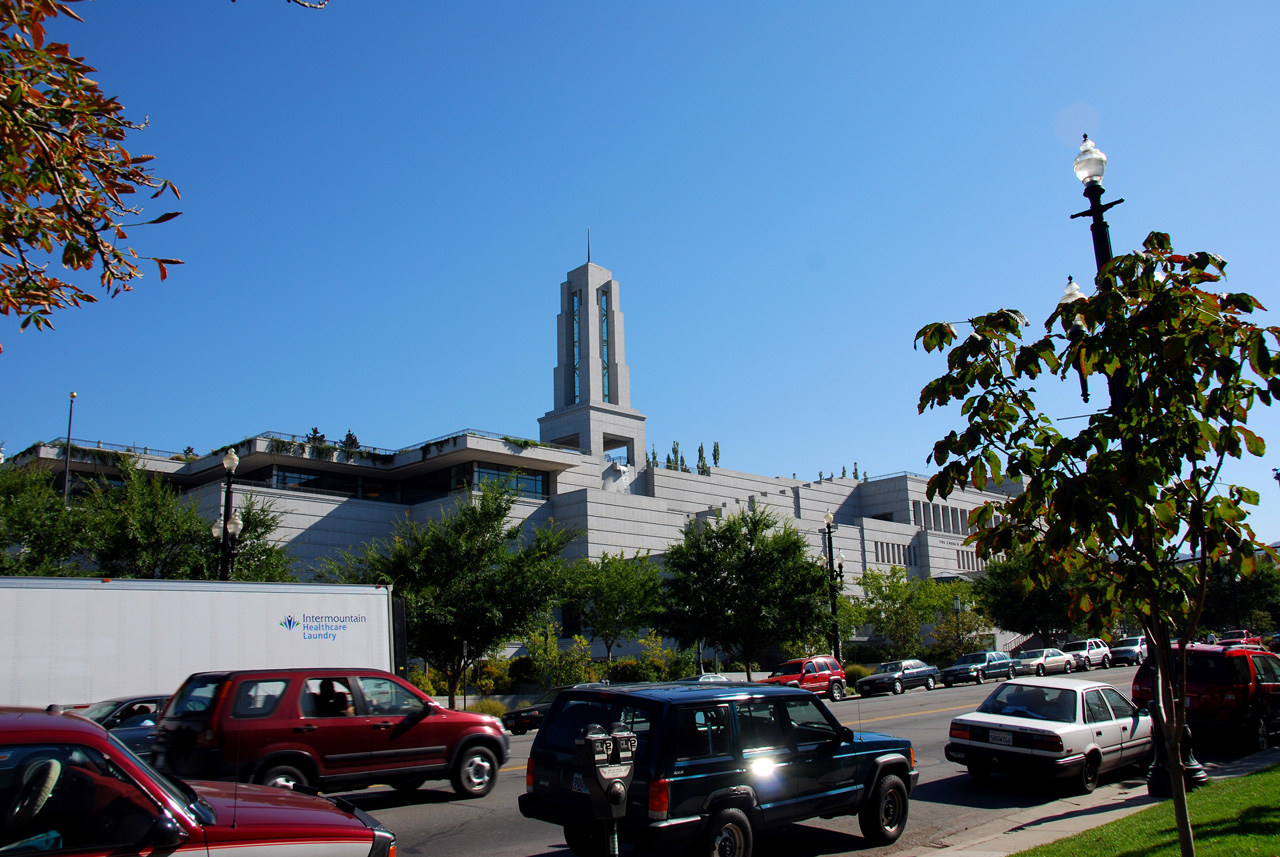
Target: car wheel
<point>1012,674</point>
<point>283,777</point>
<point>475,773</point>
<point>929,683</point>
<point>1067,667</point>
<point>1137,660</point>
<point>1106,662</point>
<point>1039,669</point>
<point>518,731</point>
<point>408,784</point>
<point>836,691</point>
<point>1255,734</point>
<point>728,834</point>
<point>1084,665</point>
<point>884,816</point>
<point>1089,773</point>
<point>979,677</point>
<point>897,686</point>
<point>980,772</point>
<point>586,840</point>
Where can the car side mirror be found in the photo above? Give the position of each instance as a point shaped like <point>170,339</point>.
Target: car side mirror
<point>165,833</point>
<point>845,735</point>
<point>110,723</point>
<point>1143,712</point>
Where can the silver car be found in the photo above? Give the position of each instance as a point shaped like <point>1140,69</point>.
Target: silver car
<point>1129,650</point>
<point>1044,661</point>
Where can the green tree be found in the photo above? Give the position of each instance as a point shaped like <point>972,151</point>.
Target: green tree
<point>851,614</point>
<point>703,469</point>
<point>615,597</point>
<point>38,536</point>
<point>715,454</point>
<point>1111,508</point>
<point>898,606</point>
<point>553,665</point>
<point>1008,594</point>
<point>65,172</point>
<point>471,581</point>
<point>742,583</point>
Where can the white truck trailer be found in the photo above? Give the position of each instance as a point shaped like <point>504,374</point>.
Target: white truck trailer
<point>75,640</point>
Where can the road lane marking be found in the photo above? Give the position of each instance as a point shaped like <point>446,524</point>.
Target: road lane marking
<point>911,714</point>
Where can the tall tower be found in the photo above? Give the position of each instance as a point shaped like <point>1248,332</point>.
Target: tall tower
<point>592,409</point>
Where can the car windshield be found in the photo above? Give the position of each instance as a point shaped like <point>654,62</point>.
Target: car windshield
<point>789,668</point>
<point>1033,703</point>
<point>100,711</point>
<point>194,696</point>
<point>178,791</point>
<point>1215,668</point>
<point>1130,643</point>
<point>548,697</point>
<point>1033,655</point>
<point>891,667</point>
<point>971,659</point>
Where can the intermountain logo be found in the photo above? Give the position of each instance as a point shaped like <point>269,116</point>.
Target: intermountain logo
<point>326,627</point>
<point>289,623</point>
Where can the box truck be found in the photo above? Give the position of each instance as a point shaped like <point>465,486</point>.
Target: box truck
<point>73,640</point>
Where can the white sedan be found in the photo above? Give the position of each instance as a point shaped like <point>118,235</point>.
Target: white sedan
<point>1059,727</point>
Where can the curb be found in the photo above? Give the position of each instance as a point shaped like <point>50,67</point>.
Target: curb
<point>1029,828</point>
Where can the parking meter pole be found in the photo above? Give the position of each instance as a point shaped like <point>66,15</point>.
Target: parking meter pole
<point>606,761</point>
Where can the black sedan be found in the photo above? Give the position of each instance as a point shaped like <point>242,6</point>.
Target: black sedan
<point>898,677</point>
<point>131,719</point>
<point>521,720</point>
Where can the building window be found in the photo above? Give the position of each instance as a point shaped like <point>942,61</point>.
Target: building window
<point>919,519</point>
<point>576,347</point>
<point>604,346</point>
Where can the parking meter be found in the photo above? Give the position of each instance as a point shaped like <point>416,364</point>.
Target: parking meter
<point>607,762</point>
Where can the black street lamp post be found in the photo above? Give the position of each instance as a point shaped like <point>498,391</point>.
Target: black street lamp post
<point>228,529</point>
<point>66,467</point>
<point>837,583</point>
<point>1090,165</point>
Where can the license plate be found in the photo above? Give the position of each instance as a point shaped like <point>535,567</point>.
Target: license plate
<point>578,785</point>
<point>1005,738</point>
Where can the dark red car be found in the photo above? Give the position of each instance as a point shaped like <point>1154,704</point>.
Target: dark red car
<point>1234,689</point>
<point>331,729</point>
<point>821,674</point>
<point>66,785</point>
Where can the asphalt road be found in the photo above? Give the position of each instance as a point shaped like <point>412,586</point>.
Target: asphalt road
<point>946,802</point>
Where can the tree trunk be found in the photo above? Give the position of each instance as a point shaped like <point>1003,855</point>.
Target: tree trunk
<point>1162,696</point>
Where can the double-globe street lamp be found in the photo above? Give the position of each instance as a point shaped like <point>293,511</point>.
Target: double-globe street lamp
<point>1090,165</point>
<point>227,529</point>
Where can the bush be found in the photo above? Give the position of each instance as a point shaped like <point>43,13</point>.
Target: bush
<point>853,672</point>
<point>421,681</point>
<point>493,676</point>
<point>488,706</point>
<point>521,670</point>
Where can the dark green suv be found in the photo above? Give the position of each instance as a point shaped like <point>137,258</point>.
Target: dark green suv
<point>714,763</point>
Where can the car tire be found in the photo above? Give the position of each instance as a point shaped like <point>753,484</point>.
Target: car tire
<point>518,731</point>
<point>587,840</point>
<point>1068,668</point>
<point>1012,674</point>
<point>884,816</point>
<point>929,683</point>
<point>727,834</point>
<point>1089,772</point>
<point>408,784</point>
<point>836,691</point>
<point>475,772</point>
<point>1255,733</point>
<point>1084,665</point>
<point>898,689</point>
<point>283,777</point>
<point>1039,669</point>
<point>979,677</point>
<point>1106,662</point>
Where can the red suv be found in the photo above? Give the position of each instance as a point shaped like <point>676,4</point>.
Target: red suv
<point>821,674</point>
<point>334,729</point>
<point>66,785</point>
<point>1228,687</point>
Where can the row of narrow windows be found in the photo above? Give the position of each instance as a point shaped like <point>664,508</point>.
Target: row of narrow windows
<point>895,554</point>
<point>575,347</point>
<point>968,561</point>
<point>943,518</point>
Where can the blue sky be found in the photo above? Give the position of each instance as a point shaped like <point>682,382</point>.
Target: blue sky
<point>382,198</point>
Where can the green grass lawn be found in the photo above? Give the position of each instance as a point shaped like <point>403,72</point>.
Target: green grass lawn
<point>1229,818</point>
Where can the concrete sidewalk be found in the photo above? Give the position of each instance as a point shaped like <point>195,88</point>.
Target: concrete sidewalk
<point>1068,817</point>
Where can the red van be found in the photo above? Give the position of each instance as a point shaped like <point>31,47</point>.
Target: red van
<point>332,729</point>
